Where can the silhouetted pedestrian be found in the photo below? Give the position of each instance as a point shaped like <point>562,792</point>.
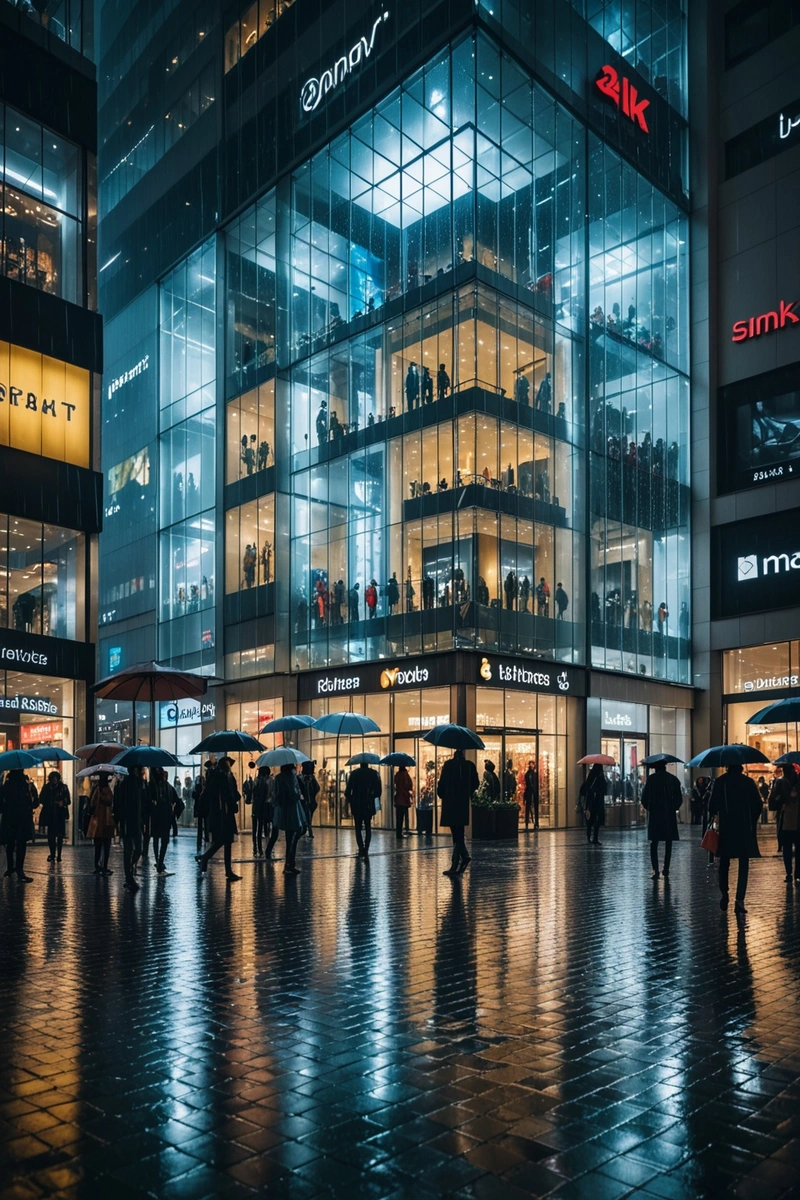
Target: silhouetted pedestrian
<point>593,792</point>
<point>531,794</point>
<point>130,800</point>
<point>260,799</point>
<point>457,784</point>
<point>737,805</point>
<point>162,799</point>
<point>403,799</point>
<point>101,822</point>
<point>16,822</point>
<point>309,790</point>
<point>661,799</point>
<point>362,791</point>
<point>784,801</point>
<point>287,815</point>
<point>222,796</point>
<point>55,800</point>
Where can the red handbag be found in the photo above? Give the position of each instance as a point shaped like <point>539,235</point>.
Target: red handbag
<point>710,840</point>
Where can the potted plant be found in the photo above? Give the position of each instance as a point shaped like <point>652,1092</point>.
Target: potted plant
<point>493,818</point>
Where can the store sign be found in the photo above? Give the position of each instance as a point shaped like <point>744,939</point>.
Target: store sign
<point>35,735</point>
<point>314,90</point>
<point>770,683</point>
<point>28,704</point>
<point>175,713</point>
<point>767,322</point>
<point>786,125</point>
<point>44,405</point>
<point>756,565</point>
<point>328,685</point>
<point>750,566</point>
<point>23,658</point>
<point>622,717</point>
<point>539,677</point>
<point>397,677</point>
<point>34,654</point>
<point>622,93</point>
<point>141,366</point>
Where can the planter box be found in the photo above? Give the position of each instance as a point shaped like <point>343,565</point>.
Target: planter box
<point>425,820</point>
<point>493,824</point>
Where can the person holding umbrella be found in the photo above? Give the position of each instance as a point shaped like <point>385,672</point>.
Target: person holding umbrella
<point>222,796</point>
<point>784,802</point>
<point>16,825</point>
<point>287,815</point>
<point>309,788</point>
<point>457,784</point>
<point>661,800</point>
<point>403,799</point>
<point>736,804</point>
<point>593,792</point>
<point>54,799</point>
<point>362,791</point>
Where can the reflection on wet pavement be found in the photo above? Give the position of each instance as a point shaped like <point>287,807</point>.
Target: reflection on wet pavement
<point>554,1022</point>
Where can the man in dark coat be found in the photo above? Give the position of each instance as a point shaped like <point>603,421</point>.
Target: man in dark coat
<point>54,799</point>
<point>163,799</point>
<point>17,830</point>
<point>457,784</point>
<point>593,793</point>
<point>532,794</point>
<point>309,788</point>
<point>661,799</point>
<point>363,789</point>
<point>222,795</point>
<point>737,805</point>
<point>130,801</point>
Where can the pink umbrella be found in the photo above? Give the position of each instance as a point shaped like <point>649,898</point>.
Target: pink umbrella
<point>605,760</point>
<point>100,752</point>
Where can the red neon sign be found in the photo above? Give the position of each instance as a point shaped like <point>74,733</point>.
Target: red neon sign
<point>623,94</point>
<point>766,323</point>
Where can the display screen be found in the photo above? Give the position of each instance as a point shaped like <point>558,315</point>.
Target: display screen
<point>760,423</point>
<point>755,565</point>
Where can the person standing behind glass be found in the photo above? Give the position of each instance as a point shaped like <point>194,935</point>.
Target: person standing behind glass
<point>54,799</point>
<point>287,815</point>
<point>222,796</point>
<point>16,825</point>
<point>310,790</point>
<point>442,382</point>
<point>458,783</point>
<point>322,422</point>
<point>661,800</point>
<point>362,791</point>
<point>101,822</point>
<point>737,805</point>
<point>562,600</point>
<point>427,386</point>
<point>412,387</point>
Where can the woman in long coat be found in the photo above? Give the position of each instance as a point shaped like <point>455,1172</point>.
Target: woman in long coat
<point>54,799</point>
<point>593,792</point>
<point>222,797</point>
<point>162,799</point>
<point>737,805</point>
<point>403,799</point>
<point>16,824</point>
<point>101,822</point>
<point>287,815</point>
<point>661,798</point>
<point>458,783</point>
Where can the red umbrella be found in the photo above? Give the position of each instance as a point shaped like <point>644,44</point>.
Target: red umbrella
<point>605,760</point>
<point>100,752</point>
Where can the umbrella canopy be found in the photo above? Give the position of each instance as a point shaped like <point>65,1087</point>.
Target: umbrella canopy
<point>101,769</point>
<point>51,754</point>
<point>146,756</point>
<point>288,724</point>
<point>346,724</point>
<point>454,737</point>
<point>366,756</point>
<point>150,681</point>
<point>605,760</point>
<point>780,711</point>
<point>398,758</point>
<point>227,741</point>
<point>791,758</point>
<point>727,756</point>
<point>281,757</point>
<point>100,752</point>
<point>653,759</point>
<point>17,760</point>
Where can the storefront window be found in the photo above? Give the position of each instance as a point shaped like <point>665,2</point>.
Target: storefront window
<point>40,710</point>
<point>41,579</point>
<point>761,668</point>
<point>250,434</point>
<point>249,545</point>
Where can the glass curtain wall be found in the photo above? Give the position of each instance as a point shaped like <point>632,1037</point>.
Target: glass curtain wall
<point>639,424</point>
<point>406,504</point>
<point>41,579</point>
<point>187,448</point>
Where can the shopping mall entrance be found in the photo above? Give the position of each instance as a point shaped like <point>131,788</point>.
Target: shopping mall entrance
<point>626,780</point>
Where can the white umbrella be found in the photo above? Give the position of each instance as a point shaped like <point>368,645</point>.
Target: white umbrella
<point>101,769</point>
<point>281,756</point>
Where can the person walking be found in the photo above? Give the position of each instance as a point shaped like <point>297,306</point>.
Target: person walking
<point>736,804</point>
<point>162,799</point>
<point>288,815</point>
<point>458,782</point>
<point>16,823</point>
<point>661,799</point>
<point>54,799</point>
<point>201,810</point>
<point>362,791</point>
<point>130,800</point>
<point>260,800</point>
<point>593,791</point>
<point>701,794</point>
<point>531,794</point>
<point>403,799</point>
<point>222,796</point>
<point>309,790</point>
<point>101,822</point>
<point>784,802</point>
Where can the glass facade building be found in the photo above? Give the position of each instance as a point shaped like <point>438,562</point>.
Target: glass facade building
<point>420,375</point>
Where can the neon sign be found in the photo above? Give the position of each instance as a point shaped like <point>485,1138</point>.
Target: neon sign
<point>313,90</point>
<point>766,322</point>
<point>623,94</point>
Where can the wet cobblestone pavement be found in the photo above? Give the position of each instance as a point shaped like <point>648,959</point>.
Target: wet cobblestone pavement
<point>553,1023</point>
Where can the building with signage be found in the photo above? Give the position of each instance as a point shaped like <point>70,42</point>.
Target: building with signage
<point>747,515</point>
<point>396,407</point>
<point>50,367</point>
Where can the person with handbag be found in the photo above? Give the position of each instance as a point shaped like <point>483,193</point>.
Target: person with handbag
<point>593,793</point>
<point>458,783</point>
<point>362,791</point>
<point>101,822</point>
<point>403,799</point>
<point>55,800</point>
<point>783,801</point>
<point>661,799</point>
<point>310,790</point>
<point>222,796</point>
<point>287,815</point>
<point>736,804</point>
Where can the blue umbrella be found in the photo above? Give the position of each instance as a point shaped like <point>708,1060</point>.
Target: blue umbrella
<point>782,712</point>
<point>52,754</point>
<point>398,758</point>
<point>727,756</point>
<point>227,741</point>
<point>454,737</point>
<point>288,724</point>
<point>790,758</point>
<point>344,724</point>
<point>146,756</point>
<point>365,756</point>
<point>18,760</point>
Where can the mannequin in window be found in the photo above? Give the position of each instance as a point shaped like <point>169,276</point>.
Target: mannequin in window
<point>337,429</point>
<point>322,422</point>
<point>428,592</point>
<point>410,592</point>
<point>250,455</point>
<point>522,390</point>
<point>371,598</point>
<point>525,593</point>
<point>320,603</point>
<point>427,386</point>
<point>544,396</point>
<point>352,602</point>
<point>442,382</point>
<point>392,593</point>
<point>249,565</point>
<point>263,455</point>
<point>483,592</point>
<point>266,561</point>
<point>510,589</point>
<point>337,611</point>
<point>412,387</point>
<point>543,598</point>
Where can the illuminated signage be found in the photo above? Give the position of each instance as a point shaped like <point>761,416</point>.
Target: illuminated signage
<point>395,677</point>
<point>766,323</point>
<point>623,94</point>
<point>313,90</point>
<point>623,716</point>
<point>34,735</point>
<point>186,712</point>
<point>29,704</point>
<point>32,658</point>
<point>755,565</point>
<point>786,125</point>
<point>332,683</point>
<point>539,678</point>
<point>770,683</point>
<point>749,565</point>
<point>141,366</point>
<point>44,405</point>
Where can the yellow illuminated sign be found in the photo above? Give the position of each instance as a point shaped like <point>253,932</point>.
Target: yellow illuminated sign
<point>44,405</point>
